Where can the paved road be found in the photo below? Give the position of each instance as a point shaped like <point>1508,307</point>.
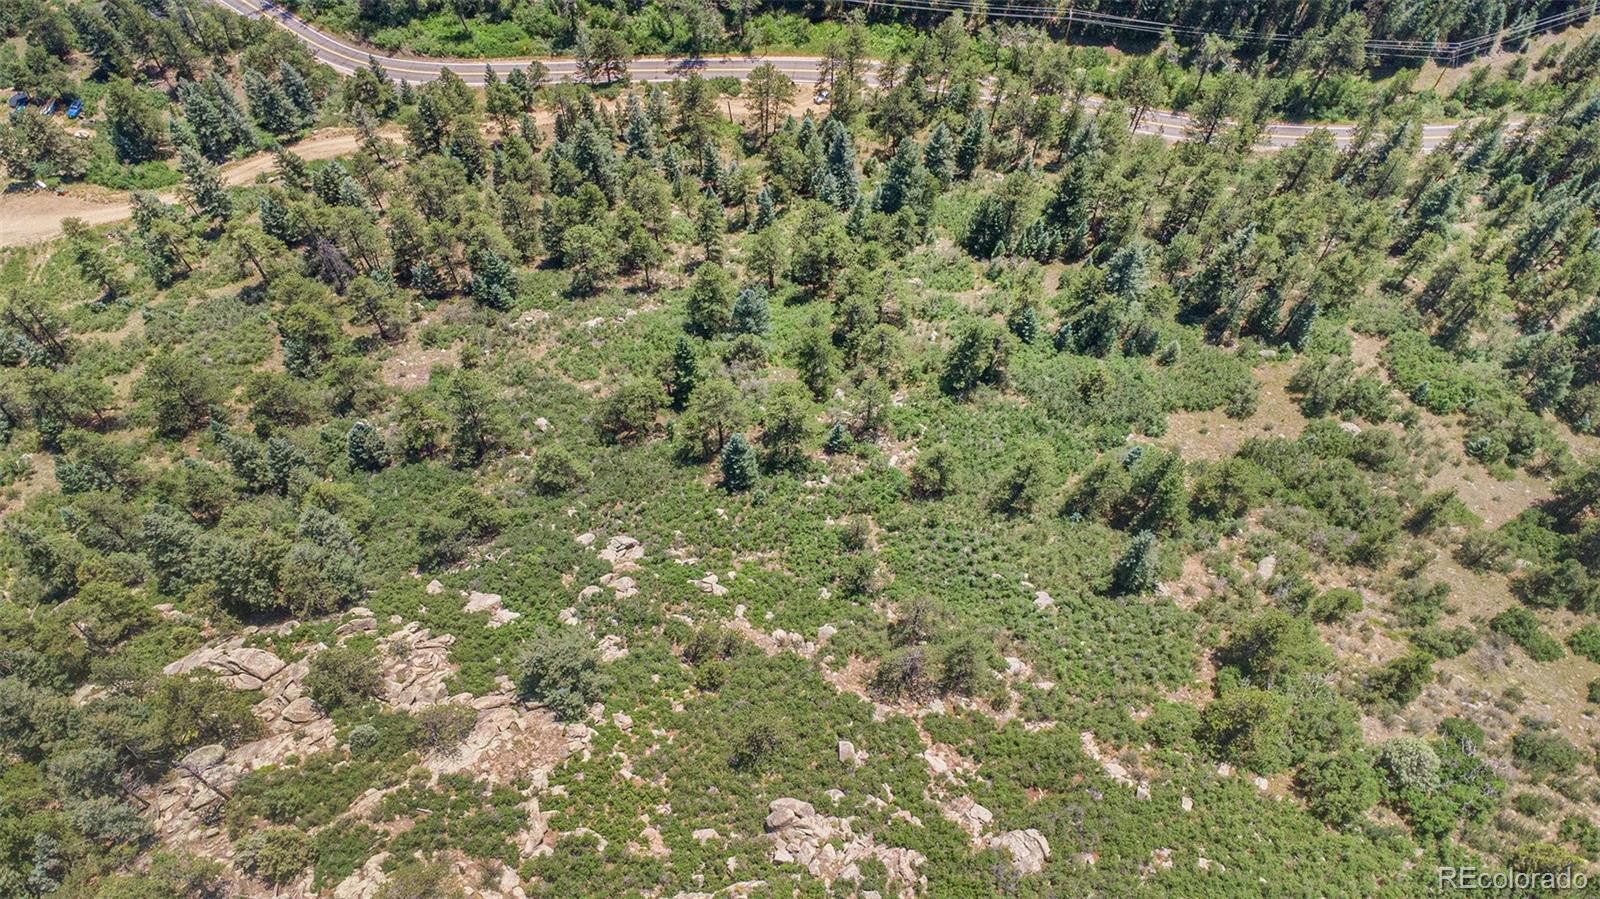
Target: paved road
<point>346,57</point>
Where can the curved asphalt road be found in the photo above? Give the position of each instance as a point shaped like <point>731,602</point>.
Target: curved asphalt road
<point>345,58</point>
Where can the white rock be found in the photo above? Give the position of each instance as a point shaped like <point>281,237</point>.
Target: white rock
<point>1042,601</point>
<point>709,584</point>
<point>434,588</point>
<point>1266,567</point>
<point>826,632</point>
<point>585,539</point>
<point>847,752</point>
<point>300,711</point>
<point>1029,849</point>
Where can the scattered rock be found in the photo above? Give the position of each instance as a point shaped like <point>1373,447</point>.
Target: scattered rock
<point>1042,601</point>
<point>826,633</point>
<point>1349,427</point>
<point>1266,567</point>
<point>499,615</point>
<point>704,834</point>
<point>847,753</point>
<point>611,648</point>
<point>801,836</point>
<point>241,667</point>
<point>301,711</point>
<point>434,588</point>
<point>622,721</point>
<point>1029,849</point>
<point>709,584</point>
<point>622,551</point>
<point>1188,804</point>
<point>585,539</point>
<point>972,817</point>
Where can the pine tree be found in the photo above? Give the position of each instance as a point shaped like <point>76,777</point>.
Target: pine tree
<point>275,219</point>
<point>708,302</point>
<point>710,227</point>
<point>766,209</point>
<point>940,156</point>
<point>841,165</point>
<point>1128,272</point>
<point>685,372</point>
<point>900,179</point>
<point>365,448</point>
<point>203,184</point>
<point>292,170</point>
<point>1301,319</point>
<point>750,315</point>
<point>493,282</point>
<point>738,464</point>
<point>1136,572</point>
<point>1024,322</point>
<point>1218,280</point>
<point>299,93</point>
<point>973,140</point>
<point>837,441</point>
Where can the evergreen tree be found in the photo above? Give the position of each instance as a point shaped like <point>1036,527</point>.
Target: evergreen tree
<point>901,179</point>
<point>837,441</point>
<point>137,131</point>
<point>366,448</point>
<point>969,154</point>
<point>738,464</point>
<point>203,184</point>
<point>709,300</point>
<point>940,156</point>
<point>1024,322</point>
<point>1136,572</point>
<point>269,105</point>
<point>685,372</point>
<point>1128,272</point>
<point>298,91</point>
<point>766,210</point>
<point>710,228</point>
<point>1297,333</point>
<point>750,314</point>
<point>494,284</point>
<point>840,162</point>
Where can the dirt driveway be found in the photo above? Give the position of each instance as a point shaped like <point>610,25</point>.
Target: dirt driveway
<point>30,217</point>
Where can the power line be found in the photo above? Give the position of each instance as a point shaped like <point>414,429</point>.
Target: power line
<point>1388,47</point>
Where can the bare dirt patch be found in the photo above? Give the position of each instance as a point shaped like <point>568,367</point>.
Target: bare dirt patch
<point>1212,435</point>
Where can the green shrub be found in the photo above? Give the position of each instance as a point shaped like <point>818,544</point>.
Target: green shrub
<point>277,855</point>
<point>1541,753</point>
<point>561,670</point>
<point>1338,788</point>
<point>1523,627</point>
<point>342,677</point>
<point>1585,641</point>
<point>441,728</point>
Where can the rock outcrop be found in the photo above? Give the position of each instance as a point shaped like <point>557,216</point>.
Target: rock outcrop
<point>1029,849</point>
<point>499,615</point>
<point>802,836</point>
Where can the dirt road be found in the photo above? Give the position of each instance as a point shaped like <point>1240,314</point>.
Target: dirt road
<point>30,217</point>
